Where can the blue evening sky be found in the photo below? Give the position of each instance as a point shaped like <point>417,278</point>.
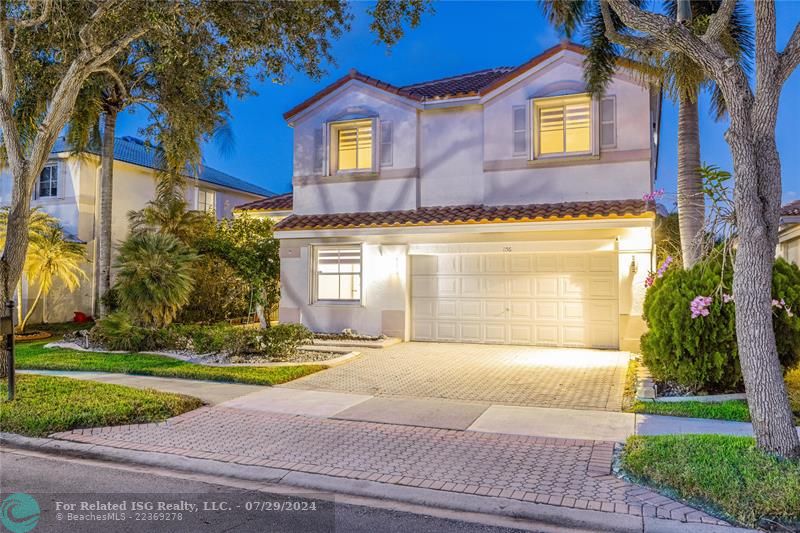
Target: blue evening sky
<point>460,37</point>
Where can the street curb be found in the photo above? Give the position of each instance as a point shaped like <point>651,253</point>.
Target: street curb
<point>547,514</point>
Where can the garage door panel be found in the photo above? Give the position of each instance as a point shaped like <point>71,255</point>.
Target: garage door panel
<point>546,287</point>
<point>495,264</point>
<point>470,309</point>
<point>546,299</point>
<point>470,332</point>
<point>471,264</point>
<point>447,309</point>
<point>545,311</point>
<point>495,310</point>
<point>522,287</point>
<point>495,333</point>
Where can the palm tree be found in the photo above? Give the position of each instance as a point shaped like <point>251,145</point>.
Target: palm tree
<point>682,78</point>
<point>40,223</point>
<point>169,215</point>
<point>52,258</point>
<point>154,277</point>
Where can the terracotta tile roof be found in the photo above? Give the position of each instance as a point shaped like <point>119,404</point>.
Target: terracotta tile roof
<point>791,209</point>
<point>469,214</point>
<point>280,202</point>
<point>457,86</point>
<point>470,84</point>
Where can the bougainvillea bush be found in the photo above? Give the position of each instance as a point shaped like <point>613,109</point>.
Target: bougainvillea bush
<point>691,319</point>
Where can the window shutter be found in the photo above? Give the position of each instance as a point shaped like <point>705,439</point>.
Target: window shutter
<point>387,139</point>
<point>519,129</point>
<point>319,151</point>
<point>608,127</point>
<point>63,177</point>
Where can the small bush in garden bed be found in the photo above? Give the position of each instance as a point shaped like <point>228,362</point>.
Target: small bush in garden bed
<point>724,471</point>
<point>118,332</point>
<point>691,320</point>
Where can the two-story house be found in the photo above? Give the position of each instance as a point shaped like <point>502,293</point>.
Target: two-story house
<point>789,235</point>
<point>68,189</point>
<point>499,206</point>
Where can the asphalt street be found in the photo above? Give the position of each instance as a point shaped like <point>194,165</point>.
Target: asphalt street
<point>82,496</point>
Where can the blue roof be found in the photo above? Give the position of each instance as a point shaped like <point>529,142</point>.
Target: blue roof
<point>137,152</point>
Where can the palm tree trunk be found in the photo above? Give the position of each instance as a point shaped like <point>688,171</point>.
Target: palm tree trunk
<point>691,202</point>
<point>103,243</point>
<point>30,310</point>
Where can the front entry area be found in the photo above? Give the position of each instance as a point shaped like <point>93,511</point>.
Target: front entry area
<point>544,299</point>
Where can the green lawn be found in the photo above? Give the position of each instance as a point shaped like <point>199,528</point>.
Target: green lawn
<point>49,404</point>
<point>33,356</point>
<point>730,410</point>
<point>725,472</point>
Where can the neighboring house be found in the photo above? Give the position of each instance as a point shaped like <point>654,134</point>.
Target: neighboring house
<point>68,189</point>
<point>789,235</point>
<point>499,206</point>
<point>275,207</point>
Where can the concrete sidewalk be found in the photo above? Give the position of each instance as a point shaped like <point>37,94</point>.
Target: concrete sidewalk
<point>211,392</point>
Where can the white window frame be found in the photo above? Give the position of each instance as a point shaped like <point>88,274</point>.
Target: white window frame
<point>613,120</point>
<point>594,143</point>
<point>53,169</point>
<point>333,146</point>
<point>314,271</point>
<point>205,193</point>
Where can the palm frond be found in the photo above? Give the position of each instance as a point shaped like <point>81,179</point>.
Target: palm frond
<point>565,15</point>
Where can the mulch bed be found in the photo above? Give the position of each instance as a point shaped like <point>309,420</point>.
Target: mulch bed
<point>35,335</point>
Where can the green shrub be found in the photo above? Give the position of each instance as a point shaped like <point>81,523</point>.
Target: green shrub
<point>219,293</point>
<point>118,332</point>
<point>701,352</point>
<point>154,278</point>
<point>283,340</point>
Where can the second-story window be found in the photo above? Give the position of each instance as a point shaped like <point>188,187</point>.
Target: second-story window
<point>47,187</point>
<point>206,200</point>
<point>352,149</point>
<point>563,125</point>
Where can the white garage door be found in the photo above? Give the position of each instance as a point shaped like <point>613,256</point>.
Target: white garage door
<point>548,299</point>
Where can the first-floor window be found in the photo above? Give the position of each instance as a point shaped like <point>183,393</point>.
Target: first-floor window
<point>206,200</point>
<point>48,183</point>
<point>338,273</point>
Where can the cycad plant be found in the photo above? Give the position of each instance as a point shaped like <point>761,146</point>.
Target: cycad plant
<point>51,257</point>
<point>168,214</point>
<point>682,78</point>
<point>154,277</point>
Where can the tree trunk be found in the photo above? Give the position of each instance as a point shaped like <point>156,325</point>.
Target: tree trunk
<point>30,311</point>
<point>757,201</point>
<point>691,202</point>
<point>104,244</point>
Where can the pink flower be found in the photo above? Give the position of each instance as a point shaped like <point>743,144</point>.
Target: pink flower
<point>727,298</point>
<point>653,196</point>
<point>699,306</point>
<point>649,280</point>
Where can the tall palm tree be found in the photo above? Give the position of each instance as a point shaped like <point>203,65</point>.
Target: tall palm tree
<point>682,78</point>
<point>52,258</point>
<point>168,214</point>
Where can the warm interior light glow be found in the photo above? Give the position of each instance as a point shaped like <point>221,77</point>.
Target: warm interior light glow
<point>565,125</point>
<point>355,145</point>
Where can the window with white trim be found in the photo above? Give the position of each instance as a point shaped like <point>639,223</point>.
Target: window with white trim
<point>206,200</point>
<point>352,148</point>
<point>47,185</point>
<point>338,273</point>
<point>563,125</point>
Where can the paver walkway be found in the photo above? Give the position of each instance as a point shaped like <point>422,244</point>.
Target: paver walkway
<point>510,375</point>
<point>566,473</point>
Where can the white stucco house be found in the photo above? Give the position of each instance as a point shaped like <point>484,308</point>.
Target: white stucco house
<point>68,189</point>
<point>499,206</point>
<point>789,234</point>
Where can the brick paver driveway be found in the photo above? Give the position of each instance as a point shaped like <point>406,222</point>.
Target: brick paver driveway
<point>512,375</point>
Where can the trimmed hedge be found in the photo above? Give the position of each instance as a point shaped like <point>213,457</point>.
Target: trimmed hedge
<point>701,353</point>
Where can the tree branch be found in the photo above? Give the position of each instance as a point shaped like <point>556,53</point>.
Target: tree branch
<point>711,56</point>
<point>641,44</point>
<point>719,21</point>
<point>117,80</point>
<point>790,57</point>
<point>47,8</point>
<point>101,10</point>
